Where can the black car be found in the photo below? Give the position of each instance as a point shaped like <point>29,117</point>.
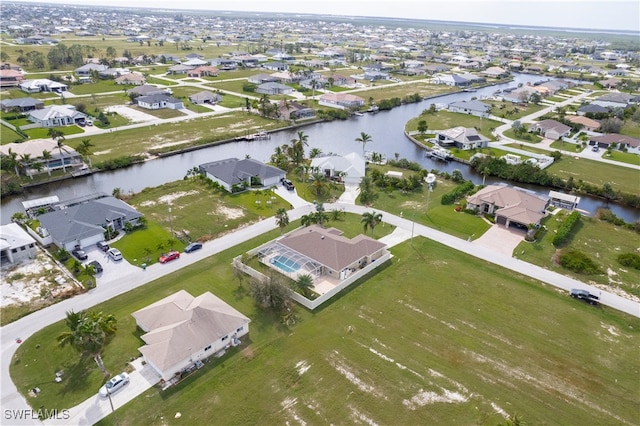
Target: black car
<point>192,247</point>
<point>287,184</point>
<point>97,267</point>
<point>79,253</point>
<point>577,293</point>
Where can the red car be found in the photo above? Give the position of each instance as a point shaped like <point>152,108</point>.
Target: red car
<point>169,256</point>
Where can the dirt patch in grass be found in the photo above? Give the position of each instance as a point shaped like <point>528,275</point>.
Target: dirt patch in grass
<point>229,212</point>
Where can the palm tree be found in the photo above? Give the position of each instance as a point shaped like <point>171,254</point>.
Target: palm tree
<point>84,149</point>
<point>314,84</point>
<point>89,333</point>
<point>25,160</point>
<point>370,220</point>
<point>304,284</point>
<point>364,139</point>
<point>315,152</point>
<point>46,156</point>
<point>13,160</point>
<point>307,220</point>
<point>60,143</point>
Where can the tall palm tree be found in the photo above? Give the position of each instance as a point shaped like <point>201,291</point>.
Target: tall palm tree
<point>60,144</point>
<point>13,160</point>
<point>364,139</point>
<point>25,160</point>
<point>84,149</point>
<point>371,220</point>
<point>282,219</point>
<point>89,333</point>
<point>46,156</point>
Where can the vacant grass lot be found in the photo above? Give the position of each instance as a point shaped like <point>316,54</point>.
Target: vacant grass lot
<point>436,337</point>
<point>601,241</point>
<point>7,135</point>
<point>177,135</point>
<point>424,88</point>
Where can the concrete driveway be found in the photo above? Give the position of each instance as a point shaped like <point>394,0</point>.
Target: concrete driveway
<point>500,239</point>
<point>132,114</point>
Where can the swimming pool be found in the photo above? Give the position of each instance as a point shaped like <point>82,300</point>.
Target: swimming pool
<point>285,264</point>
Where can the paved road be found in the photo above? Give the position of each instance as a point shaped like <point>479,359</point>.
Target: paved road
<point>10,399</point>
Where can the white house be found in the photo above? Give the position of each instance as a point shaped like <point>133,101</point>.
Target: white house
<point>15,244</point>
<point>341,100</point>
<point>56,115</point>
<point>42,85</point>
<point>349,168</point>
<point>473,107</point>
<point>462,137</point>
<point>159,101</point>
<point>182,330</point>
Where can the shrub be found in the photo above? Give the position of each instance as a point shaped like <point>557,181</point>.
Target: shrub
<point>565,229</point>
<point>577,261</point>
<point>630,260</point>
<point>457,193</point>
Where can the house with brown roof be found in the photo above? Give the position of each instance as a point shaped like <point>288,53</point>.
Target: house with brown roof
<point>586,123</point>
<point>511,206</point>
<point>132,78</point>
<point>10,78</point>
<point>290,110</point>
<point>621,142</point>
<point>319,251</point>
<point>203,71</point>
<point>182,330</point>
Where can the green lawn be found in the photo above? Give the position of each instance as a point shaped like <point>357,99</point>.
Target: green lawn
<point>99,86</point>
<point>623,157</point>
<point>42,133</point>
<point>433,325</point>
<point>510,111</point>
<point>423,87</point>
<point>601,241</point>
<point>525,137</point>
<point>231,101</point>
<point>442,120</point>
<point>7,135</point>
<point>160,113</point>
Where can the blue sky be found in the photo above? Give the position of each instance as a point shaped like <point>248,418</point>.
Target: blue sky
<point>597,14</point>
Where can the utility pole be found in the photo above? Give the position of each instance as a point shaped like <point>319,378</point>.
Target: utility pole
<point>115,421</point>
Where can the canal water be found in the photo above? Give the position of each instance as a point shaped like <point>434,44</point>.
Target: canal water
<point>386,129</point>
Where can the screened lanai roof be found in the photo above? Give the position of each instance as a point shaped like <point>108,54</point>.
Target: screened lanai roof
<point>290,260</point>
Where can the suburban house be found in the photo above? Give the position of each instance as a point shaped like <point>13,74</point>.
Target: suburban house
<point>42,85</point>
<point>621,142</point>
<point>180,69</point>
<point>461,137</point>
<point>273,88</point>
<point>586,123</point>
<point>263,78</point>
<point>563,201</point>
<point>132,78</point>
<point>145,90</point>
<point>511,206</point>
<point>224,64</point>
<point>56,115</point>
<point>182,330</point>
<point>494,72</point>
<point>159,101</point>
<point>205,97</point>
<point>15,244</point>
<point>203,71</point>
<point>550,129</point>
<point>614,100</point>
<point>473,107</point>
<point>348,168</point>
<point>591,109</point>
<point>232,173</point>
<point>83,223</point>
<point>195,62</point>
<point>59,157</point>
<point>290,110</point>
<point>87,69</point>
<point>341,100</point>
<point>451,80</point>
<point>321,252</point>
<point>21,104</point>
<point>10,78</point>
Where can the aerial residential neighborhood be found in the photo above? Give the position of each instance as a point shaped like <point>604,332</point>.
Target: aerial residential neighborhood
<point>284,217</point>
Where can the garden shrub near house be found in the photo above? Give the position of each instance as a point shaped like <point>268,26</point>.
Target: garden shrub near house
<point>565,229</point>
<point>578,261</point>
<point>457,193</point>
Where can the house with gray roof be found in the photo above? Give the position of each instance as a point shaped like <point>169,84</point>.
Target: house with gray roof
<point>473,107</point>
<point>348,168</point>
<point>145,90</point>
<point>87,69</point>
<point>273,88</point>
<point>205,97</point>
<point>550,129</point>
<point>614,100</point>
<point>592,109</point>
<point>235,175</point>
<point>83,224</point>
<point>159,101</point>
<point>183,330</point>
<point>21,104</point>
<point>464,138</point>
<point>56,115</point>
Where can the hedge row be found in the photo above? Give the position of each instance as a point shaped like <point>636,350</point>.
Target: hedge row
<point>565,229</point>
<point>457,193</point>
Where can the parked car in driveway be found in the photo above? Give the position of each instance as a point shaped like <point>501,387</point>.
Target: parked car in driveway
<point>79,253</point>
<point>114,254</point>
<point>192,247</point>
<point>97,267</point>
<point>169,256</point>
<point>287,184</point>
<point>102,245</point>
<point>114,384</point>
